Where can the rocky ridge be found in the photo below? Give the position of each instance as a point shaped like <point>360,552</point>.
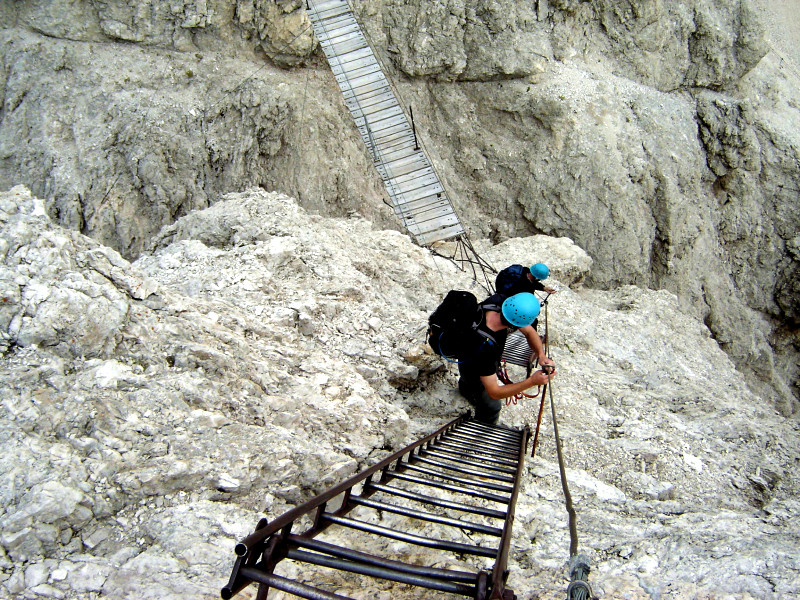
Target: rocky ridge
<point>153,412</point>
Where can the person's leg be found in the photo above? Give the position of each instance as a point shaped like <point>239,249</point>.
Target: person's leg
<point>486,409</point>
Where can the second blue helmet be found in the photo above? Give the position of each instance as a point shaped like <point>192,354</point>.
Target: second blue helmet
<point>540,271</point>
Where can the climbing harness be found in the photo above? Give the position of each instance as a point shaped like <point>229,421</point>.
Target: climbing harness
<point>503,376</point>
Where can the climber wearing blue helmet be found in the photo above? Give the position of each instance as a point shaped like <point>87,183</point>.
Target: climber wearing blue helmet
<point>540,271</point>
<point>478,381</point>
<point>517,279</point>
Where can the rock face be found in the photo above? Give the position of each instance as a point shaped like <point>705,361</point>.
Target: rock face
<point>153,412</point>
<point>662,137</point>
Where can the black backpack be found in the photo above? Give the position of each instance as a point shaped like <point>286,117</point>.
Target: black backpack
<point>453,327</point>
<point>512,280</point>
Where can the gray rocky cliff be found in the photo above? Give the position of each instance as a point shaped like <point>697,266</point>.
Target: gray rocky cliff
<point>662,137</point>
<point>151,413</point>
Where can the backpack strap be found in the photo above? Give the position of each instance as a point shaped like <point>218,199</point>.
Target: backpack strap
<point>489,337</point>
<point>482,312</point>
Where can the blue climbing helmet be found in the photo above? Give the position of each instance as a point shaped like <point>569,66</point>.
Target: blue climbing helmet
<point>540,271</point>
<point>521,309</point>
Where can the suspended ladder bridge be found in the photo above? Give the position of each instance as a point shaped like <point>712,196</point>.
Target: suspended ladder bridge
<point>416,192</point>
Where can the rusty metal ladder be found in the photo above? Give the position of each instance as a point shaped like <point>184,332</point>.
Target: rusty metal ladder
<point>473,468</point>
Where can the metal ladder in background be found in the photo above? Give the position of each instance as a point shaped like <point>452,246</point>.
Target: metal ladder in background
<point>457,486</point>
<point>418,197</point>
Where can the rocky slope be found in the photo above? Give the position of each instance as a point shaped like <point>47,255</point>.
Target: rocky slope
<point>153,412</point>
<point>662,137</point>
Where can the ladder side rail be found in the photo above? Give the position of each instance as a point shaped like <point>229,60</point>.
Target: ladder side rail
<point>499,572</point>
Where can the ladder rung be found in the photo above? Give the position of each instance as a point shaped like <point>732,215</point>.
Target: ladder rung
<point>432,191</point>
<point>423,172</point>
<point>353,89</point>
<point>338,48</point>
<point>354,83</point>
<point>463,480</point>
<point>379,125</point>
<point>375,108</point>
<point>491,446</point>
<point>367,93</point>
<point>417,227</point>
<point>477,452</point>
<point>341,27</point>
<point>421,182</point>
<point>457,469</point>
<point>380,572</point>
<point>349,67</point>
<point>400,168</point>
<point>420,210</point>
<point>452,488</point>
<point>468,508</point>
<point>375,119</point>
<point>386,132</point>
<point>363,557</point>
<point>329,10</point>
<point>390,143</point>
<point>509,435</point>
<point>416,514</point>
<point>428,206</point>
<point>456,457</point>
<point>323,5</point>
<point>364,101</point>
<point>410,538</point>
<point>481,438</point>
<point>357,72</point>
<point>443,233</point>
<point>330,19</point>
<point>354,55</point>
<point>399,153</point>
